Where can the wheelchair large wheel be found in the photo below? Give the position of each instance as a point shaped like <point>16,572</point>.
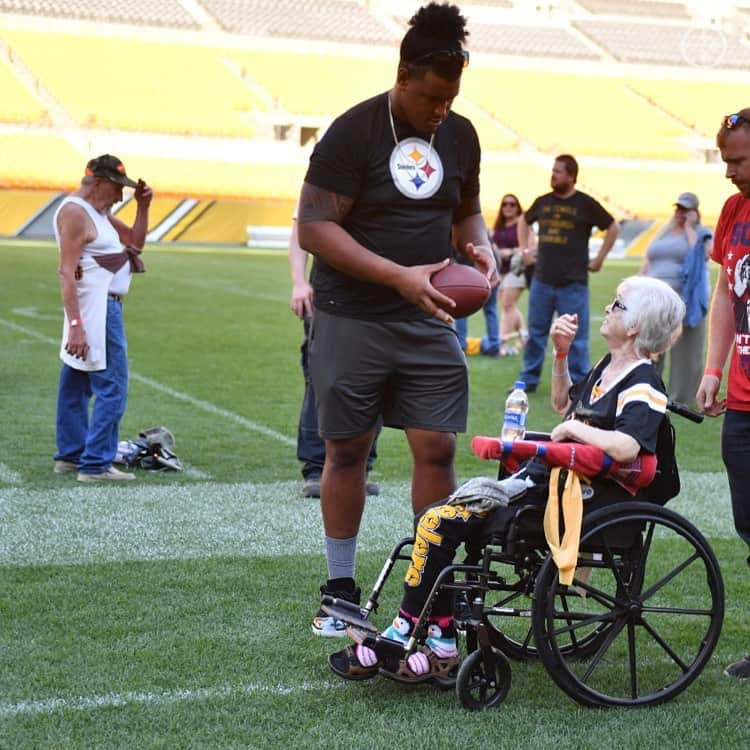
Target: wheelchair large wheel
<point>513,634</point>
<point>650,579</point>
<point>483,680</point>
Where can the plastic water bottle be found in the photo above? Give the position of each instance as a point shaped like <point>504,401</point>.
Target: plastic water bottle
<point>516,408</point>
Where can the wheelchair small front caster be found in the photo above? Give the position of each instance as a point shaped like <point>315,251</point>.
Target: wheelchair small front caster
<point>483,680</point>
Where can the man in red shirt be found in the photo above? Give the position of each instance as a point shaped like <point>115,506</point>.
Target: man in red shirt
<point>729,330</point>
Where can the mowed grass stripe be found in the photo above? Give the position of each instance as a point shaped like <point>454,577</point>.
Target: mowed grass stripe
<point>179,395</point>
<point>163,698</point>
<point>78,524</point>
<point>8,476</point>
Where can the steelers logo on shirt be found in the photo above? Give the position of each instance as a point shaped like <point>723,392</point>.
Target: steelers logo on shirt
<point>416,169</point>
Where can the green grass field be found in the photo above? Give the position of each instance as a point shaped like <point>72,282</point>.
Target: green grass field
<point>174,613</point>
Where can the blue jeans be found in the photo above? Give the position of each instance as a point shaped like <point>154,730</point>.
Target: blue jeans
<point>544,301</point>
<point>735,450</point>
<point>92,443</point>
<point>311,448</point>
<point>490,342</point>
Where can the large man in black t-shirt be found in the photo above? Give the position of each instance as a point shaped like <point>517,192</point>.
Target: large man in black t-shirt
<point>566,217</point>
<point>391,184</point>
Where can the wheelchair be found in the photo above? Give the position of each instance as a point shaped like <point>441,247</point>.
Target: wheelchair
<point>636,627</point>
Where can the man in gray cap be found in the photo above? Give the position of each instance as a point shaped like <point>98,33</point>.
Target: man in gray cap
<point>95,274</point>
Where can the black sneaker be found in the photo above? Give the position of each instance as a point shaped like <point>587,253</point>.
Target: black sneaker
<point>311,487</point>
<point>326,625</point>
<point>739,669</point>
<point>372,488</point>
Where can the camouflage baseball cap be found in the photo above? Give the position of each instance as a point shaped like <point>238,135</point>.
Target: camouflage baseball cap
<point>110,168</point>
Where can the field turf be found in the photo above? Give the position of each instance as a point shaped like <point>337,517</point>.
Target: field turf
<point>174,612</point>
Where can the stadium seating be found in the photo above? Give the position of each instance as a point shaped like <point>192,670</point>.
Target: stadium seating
<point>260,73</point>
<point>322,84</point>
<point>18,206</point>
<point>38,161</point>
<point>536,40</point>
<point>340,20</point>
<point>183,177</point>
<point>338,83</point>
<point>576,113</point>
<point>139,12</point>
<point>648,8</point>
<point>697,103</point>
<point>17,104</point>
<point>227,221</point>
<point>645,191</point>
<point>138,85</point>
<point>667,44</point>
<point>525,179</point>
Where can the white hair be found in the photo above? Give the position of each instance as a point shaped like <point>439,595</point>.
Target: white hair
<point>656,309</point>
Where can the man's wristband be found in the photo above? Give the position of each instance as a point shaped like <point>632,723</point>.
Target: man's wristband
<point>713,371</point>
<point>561,355</point>
<point>75,322</point>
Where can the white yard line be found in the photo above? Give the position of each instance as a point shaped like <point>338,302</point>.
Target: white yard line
<point>166,697</point>
<point>213,409</point>
<point>179,395</point>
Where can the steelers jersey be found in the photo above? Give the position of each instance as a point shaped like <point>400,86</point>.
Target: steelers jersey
<point>635,404</point>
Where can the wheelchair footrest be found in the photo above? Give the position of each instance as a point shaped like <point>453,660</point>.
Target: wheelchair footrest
<point>348,612</point>
<point>389,652</point>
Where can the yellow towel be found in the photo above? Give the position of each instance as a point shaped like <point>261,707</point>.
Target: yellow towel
<point>565,552</point>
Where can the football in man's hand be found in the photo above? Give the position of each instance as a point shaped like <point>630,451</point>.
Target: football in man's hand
<point>466,286</point>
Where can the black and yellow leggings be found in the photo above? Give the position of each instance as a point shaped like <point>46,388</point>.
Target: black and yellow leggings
<point>440,529</point>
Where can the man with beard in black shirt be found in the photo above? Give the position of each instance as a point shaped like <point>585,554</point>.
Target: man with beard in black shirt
<point>566,217</point>
<point>392,184</point>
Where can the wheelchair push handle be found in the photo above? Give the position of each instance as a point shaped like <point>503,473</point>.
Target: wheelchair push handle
<point>685,411</point>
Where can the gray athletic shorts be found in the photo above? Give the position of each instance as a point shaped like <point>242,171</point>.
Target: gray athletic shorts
<point>412,372</point>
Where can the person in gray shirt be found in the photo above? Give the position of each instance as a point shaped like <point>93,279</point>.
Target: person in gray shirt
<point>667,258</point>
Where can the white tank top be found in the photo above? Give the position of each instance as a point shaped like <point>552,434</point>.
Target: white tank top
<point>93,286</point>
<point>107,241</point>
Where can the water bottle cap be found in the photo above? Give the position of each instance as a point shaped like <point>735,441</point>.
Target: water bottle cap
<point>520,384</point>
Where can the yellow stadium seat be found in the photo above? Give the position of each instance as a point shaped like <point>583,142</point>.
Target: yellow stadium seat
<point>138,85</point>
<point>18,206</point>
<point>316,84</point>
<point>218,179</point>
<point>39,161</point>
<point>576,114</point>
<point>699,104</point>
<point>649,191</point>
<point>227,221</point>
<point>526,180</point>
<point>17,103</point>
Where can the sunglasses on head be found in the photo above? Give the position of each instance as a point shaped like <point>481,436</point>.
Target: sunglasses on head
<point>443,57</point>
<point>730,122</point>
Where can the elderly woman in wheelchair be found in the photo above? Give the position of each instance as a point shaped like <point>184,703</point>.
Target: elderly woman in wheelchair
<point>587,585</point>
